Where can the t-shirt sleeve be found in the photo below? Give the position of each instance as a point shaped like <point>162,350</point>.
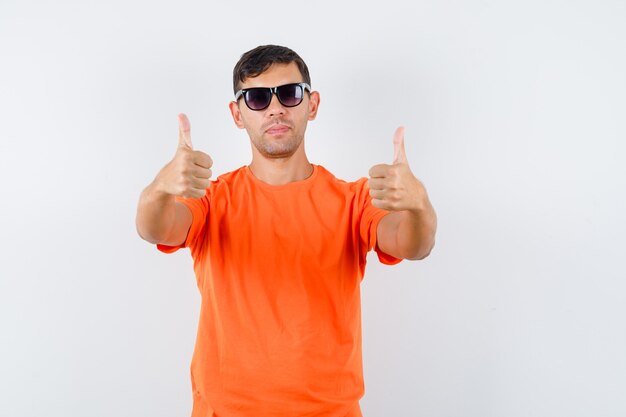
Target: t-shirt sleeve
<point>199,210</point>
<point>370,216</point>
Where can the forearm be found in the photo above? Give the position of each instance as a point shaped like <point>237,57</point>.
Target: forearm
<point>415,236</point>
<point>156,214</point>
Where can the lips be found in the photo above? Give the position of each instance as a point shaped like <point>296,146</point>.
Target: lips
<point>277,129</point>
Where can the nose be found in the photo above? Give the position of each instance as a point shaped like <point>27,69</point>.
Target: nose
<point>275,107</point>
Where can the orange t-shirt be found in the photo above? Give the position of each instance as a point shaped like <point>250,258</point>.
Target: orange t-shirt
<point>279,270</point>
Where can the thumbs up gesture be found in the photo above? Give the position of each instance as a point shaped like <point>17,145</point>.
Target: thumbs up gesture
<point>394,187</point>
<point>188,173</point>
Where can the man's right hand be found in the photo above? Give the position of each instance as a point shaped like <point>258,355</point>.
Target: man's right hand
<point>188,173</point>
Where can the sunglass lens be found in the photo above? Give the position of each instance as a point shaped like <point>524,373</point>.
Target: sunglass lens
<point>258,98</point>
<point>290,95</point>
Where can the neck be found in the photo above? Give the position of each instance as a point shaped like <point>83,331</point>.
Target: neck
<point>281,171</point>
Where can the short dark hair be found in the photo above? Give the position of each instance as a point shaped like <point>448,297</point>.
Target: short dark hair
<point>256,61</point>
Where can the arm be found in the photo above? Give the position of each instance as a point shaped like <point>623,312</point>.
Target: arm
<point>408,234</point>
<point>160,218</point>
<point>408,231</point>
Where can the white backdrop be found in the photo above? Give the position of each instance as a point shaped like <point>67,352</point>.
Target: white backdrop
<point>515,121</point>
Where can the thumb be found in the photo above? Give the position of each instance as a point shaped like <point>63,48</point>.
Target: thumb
<point>184,131</point>
<point>399,155</point>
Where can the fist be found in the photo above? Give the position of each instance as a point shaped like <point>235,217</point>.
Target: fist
<point>394,187</point>
<point>188,173</point>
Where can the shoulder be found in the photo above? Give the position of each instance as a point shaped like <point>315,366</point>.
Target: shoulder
<point>229,178</point>
<point>348,186</point>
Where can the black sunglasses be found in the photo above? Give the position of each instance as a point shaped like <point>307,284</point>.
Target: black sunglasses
<point>259,98</point>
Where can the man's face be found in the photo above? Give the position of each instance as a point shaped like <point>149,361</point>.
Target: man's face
<point>277,131</point>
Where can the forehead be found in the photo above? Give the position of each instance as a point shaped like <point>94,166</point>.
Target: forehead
<point>276,74</point>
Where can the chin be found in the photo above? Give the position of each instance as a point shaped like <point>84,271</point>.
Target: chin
<point>275,151</point>
<point>278,154</point>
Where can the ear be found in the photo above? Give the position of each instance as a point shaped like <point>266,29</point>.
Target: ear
<point>236,113</point>
<point>314,102</point>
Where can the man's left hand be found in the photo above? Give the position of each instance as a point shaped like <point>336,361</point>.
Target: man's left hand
<point>394,187</point>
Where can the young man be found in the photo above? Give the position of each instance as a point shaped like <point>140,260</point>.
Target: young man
<point>279,249</point>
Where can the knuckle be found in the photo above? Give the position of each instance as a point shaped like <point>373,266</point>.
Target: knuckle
<point>378,203</point>
<point>185,184</point>
<point>185,171</point>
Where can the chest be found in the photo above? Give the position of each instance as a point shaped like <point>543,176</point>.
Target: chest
<point>285,226</point>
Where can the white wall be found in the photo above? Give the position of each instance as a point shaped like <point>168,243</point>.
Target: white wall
<point>515,121</point>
